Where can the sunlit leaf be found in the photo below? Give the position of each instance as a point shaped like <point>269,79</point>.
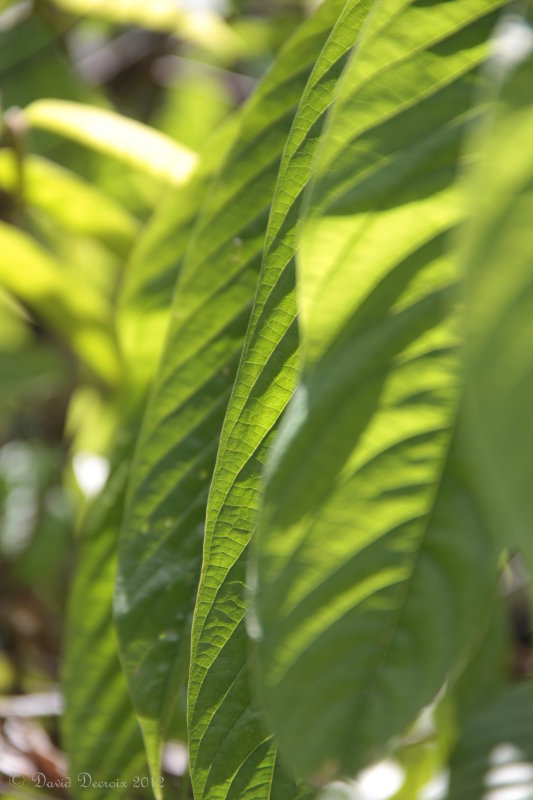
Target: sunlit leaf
<point>150,276</point>
<point>227,742</point>
<point>160,552</point>
<point>32,275</point>
<point>78,206</point>
<point>370,525</point>
<point>115,135</point>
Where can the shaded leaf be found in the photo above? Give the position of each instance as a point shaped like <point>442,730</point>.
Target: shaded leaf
<point>499,317</point>
<point>34,371</point>
<point>99,727</point>
<point>495,750</point>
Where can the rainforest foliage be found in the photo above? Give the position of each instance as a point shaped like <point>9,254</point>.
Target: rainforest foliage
<point>266,358</point>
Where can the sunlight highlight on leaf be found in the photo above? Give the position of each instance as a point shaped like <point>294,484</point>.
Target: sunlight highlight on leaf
<point>370,523</point>
<point>116,136</point>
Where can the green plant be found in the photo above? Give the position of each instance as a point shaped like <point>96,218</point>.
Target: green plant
<point>310,372</point>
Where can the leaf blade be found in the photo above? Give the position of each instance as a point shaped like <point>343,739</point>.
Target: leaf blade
<point>264,384</point>
<point>182,427</point>
<point>370,475</point>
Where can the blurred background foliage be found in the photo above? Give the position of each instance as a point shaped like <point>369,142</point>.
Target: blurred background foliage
<point>87,268</point>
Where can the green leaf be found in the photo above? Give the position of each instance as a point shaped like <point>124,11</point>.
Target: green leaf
<point>495,749</point>
<point>28,39</point>
<point>370,527</point>
<point>115,135</point>
<point>150,276</point>
<point>499,316</point>
<point>99,727</point>
<point>161,548</point>
<point>225,744</point>
<point>78,206</point>
<point>53,293</point>
<point>490,659</point>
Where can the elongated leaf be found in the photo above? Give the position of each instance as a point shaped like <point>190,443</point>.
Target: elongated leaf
<point>160,554</point>
<point>225,744</point>
<point>47,287</point>
<point>499,257</point>
<point>370,526</point>
<point>115,135</point>
<point>75,204</point>
<point>100,730</point>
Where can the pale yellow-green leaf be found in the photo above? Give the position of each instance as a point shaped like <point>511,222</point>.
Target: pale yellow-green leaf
<point>75,204</point>
<point>115,135</point>
<point>54,294</point>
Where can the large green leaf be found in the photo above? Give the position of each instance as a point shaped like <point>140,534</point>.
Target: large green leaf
<point>160,552</point>
<point>499,316</point>
<point>370,527</point>
<point>100,731</point>
<point>226,731</point>
<point>113,134</point>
